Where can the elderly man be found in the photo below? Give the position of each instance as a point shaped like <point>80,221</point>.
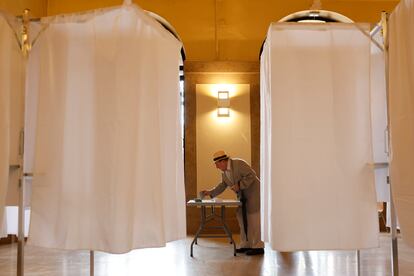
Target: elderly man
<point>242,179</point>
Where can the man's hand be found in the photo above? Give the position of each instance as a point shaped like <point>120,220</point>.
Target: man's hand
<point>235,187</point>
<point>205,193</point>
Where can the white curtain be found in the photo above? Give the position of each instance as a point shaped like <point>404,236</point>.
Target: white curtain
<point>379,118</point>
<point>11,85</point>
<point>318,184</point>
<point>265,143</point>
<point>108,158</point>
<point>401,106</point>
<point>5,41</point>
<point>11,221</point>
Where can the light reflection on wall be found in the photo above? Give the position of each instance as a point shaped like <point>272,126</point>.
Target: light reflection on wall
<point>223,87</point>
<point>235,116</point>
<point>231,134</point>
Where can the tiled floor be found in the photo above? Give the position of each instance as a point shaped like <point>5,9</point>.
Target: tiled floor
<point>211,257</point>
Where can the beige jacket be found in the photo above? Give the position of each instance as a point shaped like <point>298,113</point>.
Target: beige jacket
<point>249,183</point>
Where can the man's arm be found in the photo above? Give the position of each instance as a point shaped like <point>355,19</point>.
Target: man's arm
<point>216,190</point>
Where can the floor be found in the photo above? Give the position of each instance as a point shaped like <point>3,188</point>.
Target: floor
<point>211,257</point>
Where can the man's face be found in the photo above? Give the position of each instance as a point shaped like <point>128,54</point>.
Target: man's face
<point>222,165</point>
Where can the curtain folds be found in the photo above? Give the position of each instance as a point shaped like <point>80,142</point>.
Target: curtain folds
<point>107,157</point>
<point>401,107</point>
<point>378,98</point>
<point>11,84</point>
<point>265,137</point>
<point>318,185</point>
<point>4,112</point>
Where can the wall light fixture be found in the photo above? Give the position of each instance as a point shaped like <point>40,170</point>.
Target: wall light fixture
<point>223,104</point>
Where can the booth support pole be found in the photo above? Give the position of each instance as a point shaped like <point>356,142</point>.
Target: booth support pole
<point>20,236</point>
<point>394,242</point>
<point>358,262</point>
<point>91,263</point>
<point>25,48</point>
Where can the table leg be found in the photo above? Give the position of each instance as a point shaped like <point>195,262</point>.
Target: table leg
<point>226,229</point>
<point>203,220</point>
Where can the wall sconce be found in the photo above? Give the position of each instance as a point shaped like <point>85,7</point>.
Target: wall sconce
<point>223,104</point>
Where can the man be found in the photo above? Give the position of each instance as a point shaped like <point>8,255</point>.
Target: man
<point>242,179</point>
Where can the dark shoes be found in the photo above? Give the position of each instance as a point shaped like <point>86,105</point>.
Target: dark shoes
<point>255,251</point>
<point>242,250</point>
<point>250,251</point>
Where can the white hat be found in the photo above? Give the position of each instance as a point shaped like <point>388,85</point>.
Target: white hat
<point>220,155</point>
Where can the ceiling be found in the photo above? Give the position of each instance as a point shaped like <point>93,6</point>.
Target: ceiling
<point>216,29</point>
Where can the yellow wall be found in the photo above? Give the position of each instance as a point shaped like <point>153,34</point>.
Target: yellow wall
<point>38,8</point>
<point>231,134</point>
<point>241,24</point>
